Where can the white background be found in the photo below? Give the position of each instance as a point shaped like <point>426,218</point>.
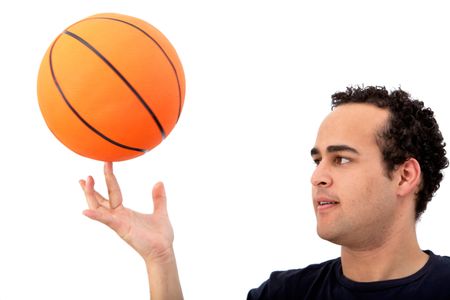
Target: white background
<point>259,78</point>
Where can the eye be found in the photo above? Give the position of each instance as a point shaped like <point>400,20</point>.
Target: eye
<point>316,161</point>
<point>339,160</point>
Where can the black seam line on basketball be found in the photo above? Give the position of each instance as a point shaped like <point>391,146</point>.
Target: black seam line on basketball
<point>79,116</point>
<point>128,84</point>
<point>162,50</point>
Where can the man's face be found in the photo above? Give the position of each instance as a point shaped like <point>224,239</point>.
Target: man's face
<point>353,199</point>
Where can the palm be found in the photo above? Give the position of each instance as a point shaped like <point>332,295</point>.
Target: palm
<point>151,235</point>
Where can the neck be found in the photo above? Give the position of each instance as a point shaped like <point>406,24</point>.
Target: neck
<point>396,256</point>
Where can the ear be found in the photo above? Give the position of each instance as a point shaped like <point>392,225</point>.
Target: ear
<point>410,177</point>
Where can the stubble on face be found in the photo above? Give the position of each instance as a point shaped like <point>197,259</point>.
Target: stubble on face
<point>365,208</point>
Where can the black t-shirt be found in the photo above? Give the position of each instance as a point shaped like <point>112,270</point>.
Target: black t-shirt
<point>326,281</point>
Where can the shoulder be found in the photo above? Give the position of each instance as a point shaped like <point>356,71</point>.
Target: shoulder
<point>293,282</point>
<point>440,265</point>
<point>308,273</point>
<point>433,282</point>
<point>438,262</point>
<point>443,260</point>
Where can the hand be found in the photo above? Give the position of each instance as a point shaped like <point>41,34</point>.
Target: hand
<point>151,235</point>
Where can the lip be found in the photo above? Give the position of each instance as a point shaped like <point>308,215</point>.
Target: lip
<point>325,207</point>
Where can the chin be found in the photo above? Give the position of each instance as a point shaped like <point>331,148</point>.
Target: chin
<point>329,236</point>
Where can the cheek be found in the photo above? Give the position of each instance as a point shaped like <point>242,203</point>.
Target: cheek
<point>363,193</point>
<point>374,200</point>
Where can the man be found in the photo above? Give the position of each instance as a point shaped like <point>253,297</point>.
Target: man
<point>379,158</point>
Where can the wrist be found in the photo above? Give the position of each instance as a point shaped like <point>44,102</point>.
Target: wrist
<point>163,276</point>
<point>163,257</point>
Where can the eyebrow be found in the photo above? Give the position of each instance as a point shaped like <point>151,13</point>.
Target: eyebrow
<point>335,148</point>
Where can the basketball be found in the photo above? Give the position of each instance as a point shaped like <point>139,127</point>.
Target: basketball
<point>111,87</point>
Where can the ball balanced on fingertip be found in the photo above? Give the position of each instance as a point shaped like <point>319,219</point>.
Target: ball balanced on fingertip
<point>111,87</point>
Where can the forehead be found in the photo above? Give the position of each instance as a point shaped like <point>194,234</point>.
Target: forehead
<point>353,124</point>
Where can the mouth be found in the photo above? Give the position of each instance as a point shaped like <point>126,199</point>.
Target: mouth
<point>322,203</point>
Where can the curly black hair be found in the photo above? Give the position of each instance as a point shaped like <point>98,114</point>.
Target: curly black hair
<point>411,132</point>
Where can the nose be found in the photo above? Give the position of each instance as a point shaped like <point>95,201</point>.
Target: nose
<point>321,176</point>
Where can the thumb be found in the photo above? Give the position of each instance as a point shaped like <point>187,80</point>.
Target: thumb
<point>159,198</point>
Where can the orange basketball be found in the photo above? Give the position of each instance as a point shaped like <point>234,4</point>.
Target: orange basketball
<point>111,87</point>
